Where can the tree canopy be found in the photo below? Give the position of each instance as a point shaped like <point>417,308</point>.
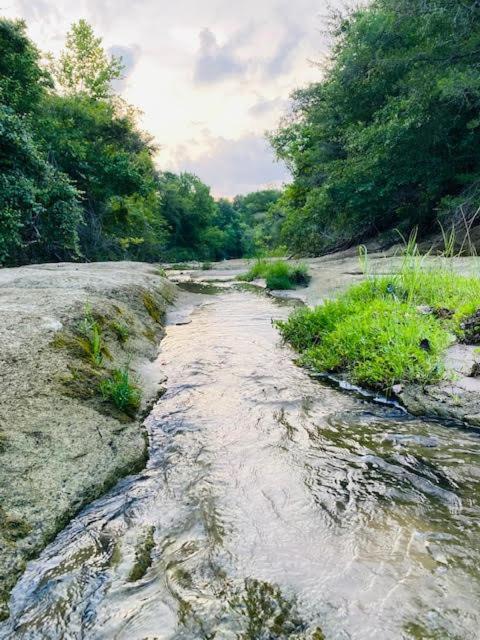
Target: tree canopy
<point>77,176</point>
<point>390,137</point>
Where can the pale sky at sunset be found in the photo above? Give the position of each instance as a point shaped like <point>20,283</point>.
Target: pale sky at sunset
<point>210,76</point>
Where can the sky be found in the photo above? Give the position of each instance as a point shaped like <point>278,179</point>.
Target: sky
<point>209,76</point>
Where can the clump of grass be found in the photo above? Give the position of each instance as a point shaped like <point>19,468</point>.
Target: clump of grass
<point>121,331</point>
<point>206,266</point>
<point>390,329</point>
<point>143,556</point>
<point>152,307</point>
<point>86,339</point>
<point>180,266</point>
<point>278,274</point>
<point>266,613</point>
<point>119,389</point>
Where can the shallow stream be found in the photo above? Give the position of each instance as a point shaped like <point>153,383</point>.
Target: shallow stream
<point>272,506</point>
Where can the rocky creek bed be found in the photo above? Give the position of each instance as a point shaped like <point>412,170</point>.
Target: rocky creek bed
<point>61,444</point>
<point>265,492</point>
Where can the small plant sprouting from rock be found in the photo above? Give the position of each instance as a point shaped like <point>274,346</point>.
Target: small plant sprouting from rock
<point>13,528</point>
<point>152,307</point>
<point>143,556</point>
<point>90,340</point>
<point>121,391</point>
<point>121,331</point>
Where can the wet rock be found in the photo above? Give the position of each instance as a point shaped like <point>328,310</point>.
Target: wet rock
<point>61,446</point>
<point>471,328</point>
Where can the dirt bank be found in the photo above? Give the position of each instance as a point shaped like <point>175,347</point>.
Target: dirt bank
<point>61,443</point>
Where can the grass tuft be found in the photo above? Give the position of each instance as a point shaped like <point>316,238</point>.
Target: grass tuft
<point>152,307</point>
<point>278,274</point>
<point>121,331</point>
<point>390,329</point>
<point>121,391</point>
<point>143,556</point>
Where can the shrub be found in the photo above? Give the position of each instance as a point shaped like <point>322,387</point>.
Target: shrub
<point>278,275</point>
<point>121,391</point>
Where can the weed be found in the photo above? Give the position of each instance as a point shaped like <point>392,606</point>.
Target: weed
<point>378,333</point>
<point>206,266</point>
<point>143,556</point>
<point>121,391</point>
<point>121,331</point>
<point>86,339</point>
<point>152,307</point>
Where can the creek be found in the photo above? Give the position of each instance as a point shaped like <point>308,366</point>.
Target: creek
<point>273,505</point>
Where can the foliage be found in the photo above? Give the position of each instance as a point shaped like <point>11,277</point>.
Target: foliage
<point>388,329</point>
<point>39,210</point>
<point>77,176</point>
<point>278,274</point>
<point>391,135</point>
<point>119,389</point>
<point>111,163</point>
<point>260,221</point>
<point>22,80</point>
<point>83,67</point>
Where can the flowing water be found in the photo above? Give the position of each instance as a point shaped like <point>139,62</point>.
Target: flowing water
<point>272,506</point>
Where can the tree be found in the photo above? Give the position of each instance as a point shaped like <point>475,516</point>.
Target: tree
<point>391,135</point>
<point>84,67</point>
<point>22,81</point>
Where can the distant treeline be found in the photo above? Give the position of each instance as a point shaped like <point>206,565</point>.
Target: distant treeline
<point>77,176</point>
<point>390,138</point>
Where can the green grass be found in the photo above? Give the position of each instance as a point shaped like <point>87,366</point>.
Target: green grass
<point>88,339</point>
<point>121,331</point>
<point>387,330</point>
<point>121,391</point>
<point>278,274</point>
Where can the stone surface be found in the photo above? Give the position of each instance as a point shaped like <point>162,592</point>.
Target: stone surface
<point>59,452</point>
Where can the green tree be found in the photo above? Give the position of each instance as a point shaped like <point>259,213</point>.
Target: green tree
<point>39,209</point>
<point>391,135</point>
<point>22,81</point>
<point>83,66</point>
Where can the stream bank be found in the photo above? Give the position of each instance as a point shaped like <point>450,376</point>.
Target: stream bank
<point>61,444</point>
<point>272,507</point>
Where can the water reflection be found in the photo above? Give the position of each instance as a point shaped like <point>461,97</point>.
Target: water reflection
<point>365,518</point>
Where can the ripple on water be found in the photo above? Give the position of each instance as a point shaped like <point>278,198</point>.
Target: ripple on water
<point>273,504</point>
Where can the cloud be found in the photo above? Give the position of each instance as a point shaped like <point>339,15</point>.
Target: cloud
<point>234,166</point>
<point>215,62</point>
<point>282,60</point>
<point>264,107</point>
<point>130,56</point>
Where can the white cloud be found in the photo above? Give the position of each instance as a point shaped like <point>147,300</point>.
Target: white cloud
<point>224,67</point>
<point>233,166</point>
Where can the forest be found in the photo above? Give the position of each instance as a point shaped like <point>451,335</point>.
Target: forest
<point>387,140</point>
<point>77,176</point>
